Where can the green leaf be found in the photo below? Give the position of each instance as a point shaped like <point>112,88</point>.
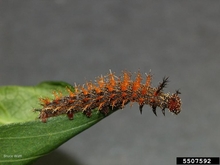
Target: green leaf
<point>23,137</point>
<point>17,103</point>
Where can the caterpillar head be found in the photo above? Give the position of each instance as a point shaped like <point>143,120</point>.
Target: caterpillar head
<point>174,103</point>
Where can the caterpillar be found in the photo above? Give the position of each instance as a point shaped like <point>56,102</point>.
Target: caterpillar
<point>110,93</point>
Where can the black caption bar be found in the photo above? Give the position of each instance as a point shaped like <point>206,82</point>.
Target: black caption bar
<point>197,160</point>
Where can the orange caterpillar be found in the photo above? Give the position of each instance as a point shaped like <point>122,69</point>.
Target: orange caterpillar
<point>111,93</point>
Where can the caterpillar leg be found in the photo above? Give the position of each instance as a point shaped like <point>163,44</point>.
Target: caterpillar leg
<point>163,111</point>
<point>141,107</point>
<point>154,107</point>
<point>70,115</point>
